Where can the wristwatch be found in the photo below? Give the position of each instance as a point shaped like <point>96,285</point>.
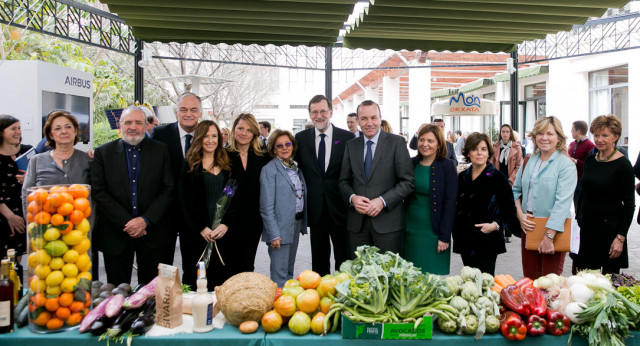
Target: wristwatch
<point>497,226</point>
<point>620,238</point>
<point>549,235</point>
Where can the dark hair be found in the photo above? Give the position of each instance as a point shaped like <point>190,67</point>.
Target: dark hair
<point>581,126</point>
<point>472,142</point>
<point>46,130</point>
<point>611,122</point>
<point>438,120</point>
<point>150,119</point>
<point>352,115</point>
<point>368,103</point>
<point>266,124</point>
<point>512,137</point>
<point>319,98</point>
<point>272,142</point>
<point>6,121</point>
<point>441,153</point>
<point>458,132</point>
<point>194,155</point>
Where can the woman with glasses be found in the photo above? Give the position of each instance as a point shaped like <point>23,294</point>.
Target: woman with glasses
<point>282,205</point>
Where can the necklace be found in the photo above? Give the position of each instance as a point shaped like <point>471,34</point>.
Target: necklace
<point>56,155</point>
<point>608,157</point>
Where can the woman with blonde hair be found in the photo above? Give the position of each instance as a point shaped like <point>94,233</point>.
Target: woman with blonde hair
<point>246,159</point>
<point>606,202</point>
<point>544,188</point>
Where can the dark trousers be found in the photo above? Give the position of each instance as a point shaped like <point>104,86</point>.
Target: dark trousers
<point>119,267</point>
<point>485,262</point>
<point>323,234</point>
<point>391,241</point>
<point>191,248</point>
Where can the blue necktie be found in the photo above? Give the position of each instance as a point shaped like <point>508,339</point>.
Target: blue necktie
<point>187,143</point>
<point>321,153</point>
<point>367,159</point>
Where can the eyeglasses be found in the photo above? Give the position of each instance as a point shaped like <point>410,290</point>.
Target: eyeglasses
<point>280,146</point>
<point>322,112</point>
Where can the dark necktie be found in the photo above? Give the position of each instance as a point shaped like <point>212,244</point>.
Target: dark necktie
<point>367,159</point>
<point>187,143</point>
<point>321,153</point>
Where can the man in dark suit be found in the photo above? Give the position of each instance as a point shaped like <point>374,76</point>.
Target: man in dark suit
<point>319,156</point>
<point>132,187</point>
<point>377,175</point>
<point>177,136</point>
<point>265,129</point>
<point>451,155</point>
<point>352,124</point>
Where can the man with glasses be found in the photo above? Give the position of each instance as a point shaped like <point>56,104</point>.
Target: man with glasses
<point>177,136</point>
<point>319,156</point>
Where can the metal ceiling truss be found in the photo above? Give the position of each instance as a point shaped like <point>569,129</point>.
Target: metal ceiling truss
<point>595,37</point>
<point>69,20</point>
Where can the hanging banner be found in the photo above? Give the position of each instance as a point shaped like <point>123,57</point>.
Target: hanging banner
<point>461,105</point>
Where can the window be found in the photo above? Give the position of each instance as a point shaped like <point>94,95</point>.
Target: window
<point>535,97</point>
<point>298,125</point>
<point>609,94</point>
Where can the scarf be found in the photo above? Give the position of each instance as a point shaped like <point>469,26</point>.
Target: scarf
<point>504,152</point>
<point>289,164</point>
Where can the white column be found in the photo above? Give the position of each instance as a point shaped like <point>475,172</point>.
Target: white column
<point>371,93</point>
<point>391,102</point>
<point>419,97</point>
<point>634,109</point>
<point>357,99</point>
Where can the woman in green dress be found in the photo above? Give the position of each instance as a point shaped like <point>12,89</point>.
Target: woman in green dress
<point>204,175</point>
<point>432,205</point>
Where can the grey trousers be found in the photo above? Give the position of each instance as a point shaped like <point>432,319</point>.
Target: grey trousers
<point>283,260</point>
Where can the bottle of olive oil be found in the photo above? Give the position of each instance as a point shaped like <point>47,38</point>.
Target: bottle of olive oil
<point>13,276</point>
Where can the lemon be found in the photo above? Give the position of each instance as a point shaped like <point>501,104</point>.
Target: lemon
<point>83,226</point>
<point>70,270</point>
<point>42,257</point>
<point>71,256</point>
<point>83,246</point>
<point>73,238</point>
<point>83,263</point>
<point>32,260</point>
<point>53,291</point>
<point>37,285</point>
<point>56,263</point>
<point>51,234</point>
<point>54,278</point>
<point>56,248</point>
<point>42,271</point>
<point>38,243</point>
<point>84,275</point>
<point>31,226</point>
<point>68,284</point>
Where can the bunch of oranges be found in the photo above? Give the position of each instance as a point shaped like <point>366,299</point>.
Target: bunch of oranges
<point>59,261</point>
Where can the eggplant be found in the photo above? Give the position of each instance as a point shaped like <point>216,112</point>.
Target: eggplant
<point>143,323</point>
<point>114,306</point>
<point>93,315</point>
<point>99,326</point>
<point>123,322</point>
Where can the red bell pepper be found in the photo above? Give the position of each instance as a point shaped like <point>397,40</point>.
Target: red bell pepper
<point>524,283</point>
<point>514,299</point>
<point>557,323</point>
<point>536,325</point>
<point>512,326</point>
<point>536,300</point>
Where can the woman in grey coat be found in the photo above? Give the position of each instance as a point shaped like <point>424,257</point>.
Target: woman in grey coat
<point>282,205</point>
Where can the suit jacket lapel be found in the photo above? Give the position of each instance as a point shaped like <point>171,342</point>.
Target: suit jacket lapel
<point>121,161</point>
<point>176,143</point>
<point>283,171</point>
<point>380,148</point>
<point>311,142</point>
<point>359,155</point>
<point>333,160</point>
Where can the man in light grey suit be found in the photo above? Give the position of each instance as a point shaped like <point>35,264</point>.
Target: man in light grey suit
<point>376,177</point>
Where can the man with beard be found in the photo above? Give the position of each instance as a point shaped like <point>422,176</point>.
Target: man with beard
<point>319,156</point>
<point>132,187</point>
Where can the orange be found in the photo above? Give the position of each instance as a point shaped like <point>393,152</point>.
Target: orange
<point>55,200</point>
<point>66,299</point>
<point>43,218</point>
<point>76,217</point>
<point>65,209</point>
<point>39,196</point>
<point>63,313</point>
<point>76,306</point>
<point>43,318</point>
<point>52,304</point>
<point>78,191</point>
<point>69,228</point>
<point>46,206</point>
<point>81,204</point>
<point>87,212</point>
<point>87,298</point>
<point>58,189</point>
<point>74,319</point>
<point>29,217</point>
<point>39,299</point>
<point>32,306</point>
<point>67,197</point>
<point>34,207</point>
<point>54,323</point>
<point>57,219</point>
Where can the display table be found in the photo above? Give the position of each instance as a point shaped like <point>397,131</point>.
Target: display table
<point>231,336</point>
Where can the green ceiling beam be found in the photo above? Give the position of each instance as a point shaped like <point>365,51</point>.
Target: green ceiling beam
<point>171,35</point>
<point>249,29</point>
<point>240,5</point>
<point>297,23</point>
<point>425,45</point>
<point>558,3</point>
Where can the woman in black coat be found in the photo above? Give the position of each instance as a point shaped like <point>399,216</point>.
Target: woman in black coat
<point>485,207</point>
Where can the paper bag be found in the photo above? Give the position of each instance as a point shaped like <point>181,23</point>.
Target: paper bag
<point>168,297</point>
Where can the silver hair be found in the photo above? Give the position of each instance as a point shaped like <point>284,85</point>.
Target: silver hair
<point>186,94</point>
<point>131,109</point>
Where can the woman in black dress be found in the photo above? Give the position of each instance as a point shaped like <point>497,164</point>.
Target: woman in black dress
<point>203,177</point>
<point>606,203</point>
<point>485,207</point>
<point>244,220</point>
<point>12,225</point>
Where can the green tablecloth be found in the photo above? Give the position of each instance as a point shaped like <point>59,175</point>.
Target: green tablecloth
<point>231,336</point>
